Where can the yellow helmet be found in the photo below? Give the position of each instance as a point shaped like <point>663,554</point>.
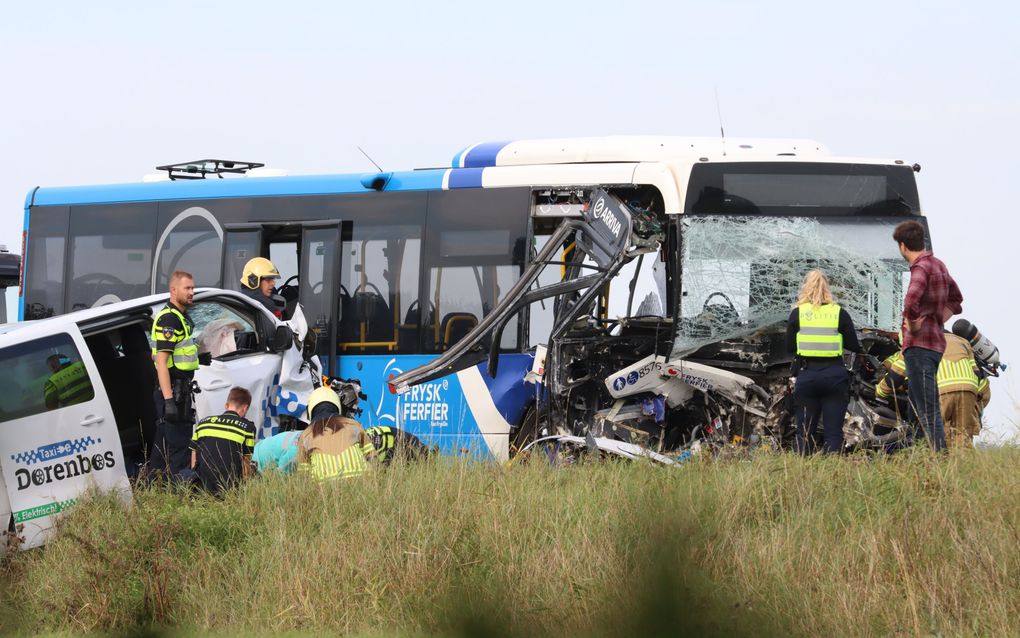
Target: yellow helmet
<point>323,394</point>
<point>257,269</point>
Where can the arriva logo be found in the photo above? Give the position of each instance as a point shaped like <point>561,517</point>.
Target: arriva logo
<point>602,212</point>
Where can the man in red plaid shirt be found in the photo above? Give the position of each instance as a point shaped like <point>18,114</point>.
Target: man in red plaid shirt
<point>932,298</point>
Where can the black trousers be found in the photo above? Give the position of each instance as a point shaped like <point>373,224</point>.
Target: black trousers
<point>821,392</point>
<point>170,449</point>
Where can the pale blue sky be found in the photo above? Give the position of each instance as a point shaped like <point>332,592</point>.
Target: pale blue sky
<point>102,92</point>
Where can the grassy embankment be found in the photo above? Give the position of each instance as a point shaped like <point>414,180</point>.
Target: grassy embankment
<point>907,545</point>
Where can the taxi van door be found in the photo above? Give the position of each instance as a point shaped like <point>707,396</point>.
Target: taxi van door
<point>58,436</point>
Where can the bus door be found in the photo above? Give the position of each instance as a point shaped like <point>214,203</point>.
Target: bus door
<point>241,242</point>
<point>319,284</point>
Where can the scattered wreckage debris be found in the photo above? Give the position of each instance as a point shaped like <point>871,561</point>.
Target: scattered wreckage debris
<point>565,449</point>
<point>717,374</point>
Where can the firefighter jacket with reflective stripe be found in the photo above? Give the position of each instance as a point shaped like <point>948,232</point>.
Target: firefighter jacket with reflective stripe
<point>350,462</point>
<point>957,371</point>
<point>68,386</point>
<point>341,451</point>
<point>171,332</point>
<point>896,374</point>
<point>382,440</point>
<point>819,331</point>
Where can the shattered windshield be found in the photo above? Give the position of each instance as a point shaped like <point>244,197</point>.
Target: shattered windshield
<point>740,274</point>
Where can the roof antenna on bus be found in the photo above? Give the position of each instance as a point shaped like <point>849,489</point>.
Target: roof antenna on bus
<point>370,159</point>
<point>718,111</point>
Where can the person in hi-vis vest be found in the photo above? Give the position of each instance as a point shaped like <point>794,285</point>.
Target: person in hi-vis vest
<point>818,332</point>
<point>175,356</point>
<point>963,390</point>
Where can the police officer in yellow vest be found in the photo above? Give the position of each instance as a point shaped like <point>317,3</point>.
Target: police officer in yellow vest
<point>69,383</point>
<point>963,393</point>
<point>818,332</point>
<point>175,355</point>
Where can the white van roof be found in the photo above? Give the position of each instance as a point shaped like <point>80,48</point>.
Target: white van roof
<point>120,307</point>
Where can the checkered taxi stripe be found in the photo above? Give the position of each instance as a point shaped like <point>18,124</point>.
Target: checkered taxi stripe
<point>54,450</point>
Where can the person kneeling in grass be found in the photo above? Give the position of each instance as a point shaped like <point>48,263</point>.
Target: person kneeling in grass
<point>277,453</point>
<point>333,446</point>
<point>222,445</point>
<point>391,443</point>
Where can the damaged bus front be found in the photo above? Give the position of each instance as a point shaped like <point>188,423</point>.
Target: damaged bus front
<point>702,360</point>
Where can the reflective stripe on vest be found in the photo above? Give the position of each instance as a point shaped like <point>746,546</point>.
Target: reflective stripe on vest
<point>185,354</point>
<point>350,462</point>
<point>819,331</point>
<point>228,428</point>
<point>71,384</point>
<point>957,373</point>
<point>382,441</point>
<point>896,365</point>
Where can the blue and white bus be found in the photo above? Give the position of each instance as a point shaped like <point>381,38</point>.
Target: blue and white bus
<point>392,269</point>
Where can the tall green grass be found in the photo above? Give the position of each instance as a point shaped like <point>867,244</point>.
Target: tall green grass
<point>912,544</point>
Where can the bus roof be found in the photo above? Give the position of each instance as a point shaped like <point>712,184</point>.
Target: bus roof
<point>525,162</point>
<point>629,148</point>
<point>236,187</point>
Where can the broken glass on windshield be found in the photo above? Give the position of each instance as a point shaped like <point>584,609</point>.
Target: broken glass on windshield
<point>740,275</point>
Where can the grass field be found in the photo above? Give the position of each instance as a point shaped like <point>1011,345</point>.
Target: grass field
<point>908,545</point>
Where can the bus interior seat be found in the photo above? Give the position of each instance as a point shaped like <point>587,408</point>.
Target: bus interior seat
<point>455,327</point>
<point>348,324</point>
<point>370,307</point>
<point>286,303</point>
<point>407,332</point>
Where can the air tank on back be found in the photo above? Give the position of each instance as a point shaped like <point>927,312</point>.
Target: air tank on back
<point>985,352</point>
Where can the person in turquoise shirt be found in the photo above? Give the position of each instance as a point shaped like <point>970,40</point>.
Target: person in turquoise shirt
<point>278,452</point>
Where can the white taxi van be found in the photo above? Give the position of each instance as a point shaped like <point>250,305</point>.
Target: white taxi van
<point>76,395</point>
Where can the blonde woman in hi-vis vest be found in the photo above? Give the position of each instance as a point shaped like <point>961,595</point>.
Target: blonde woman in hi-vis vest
<point>818,332</point>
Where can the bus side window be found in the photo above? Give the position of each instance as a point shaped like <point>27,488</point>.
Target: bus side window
<point>44,265</point>
<point>379,309</point>
<point>110,253</point>
<point>192,246</point>
<point>475,254</point>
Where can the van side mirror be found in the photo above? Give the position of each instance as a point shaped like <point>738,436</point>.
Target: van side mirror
<point>283,338</point>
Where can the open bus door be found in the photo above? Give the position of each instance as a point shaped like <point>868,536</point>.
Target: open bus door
<point>315,247</point>
<point>319,284</point>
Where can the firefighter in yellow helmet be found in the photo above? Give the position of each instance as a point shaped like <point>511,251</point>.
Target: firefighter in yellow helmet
<point>258,280</point>
<point>963,391</point>
<point>333,446</point>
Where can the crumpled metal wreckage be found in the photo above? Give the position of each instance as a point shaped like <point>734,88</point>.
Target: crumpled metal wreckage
<point>663,388</point>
